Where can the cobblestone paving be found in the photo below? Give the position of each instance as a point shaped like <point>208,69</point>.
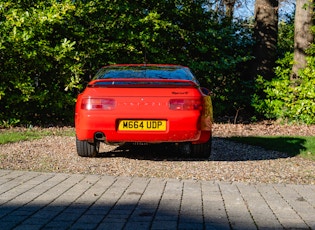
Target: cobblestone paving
<point>34,200</point>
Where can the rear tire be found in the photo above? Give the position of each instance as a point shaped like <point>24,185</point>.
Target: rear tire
<point>185,149</point>
<point>202,150</point>
<point>87,149</point>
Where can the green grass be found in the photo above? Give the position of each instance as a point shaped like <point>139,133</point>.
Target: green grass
<point>292,145</point>
<point>15,135</point>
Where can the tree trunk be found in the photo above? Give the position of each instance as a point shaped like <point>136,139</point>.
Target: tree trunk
<point>229,8</point>
<point>265,35</point>
<point>303,35</point>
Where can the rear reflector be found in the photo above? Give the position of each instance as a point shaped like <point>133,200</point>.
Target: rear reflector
<point>185,104</point>
<point>98,104</point>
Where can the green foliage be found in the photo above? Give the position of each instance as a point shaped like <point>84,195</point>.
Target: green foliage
<point>286,99</point>
<point>50,49</point>
<point>38,61</point>
<point>285,37</point>
<point>9,123</point>
<point>223,68</point>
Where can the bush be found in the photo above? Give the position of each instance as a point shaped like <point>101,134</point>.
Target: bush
<point>285,99</point>
<point>50,49</point>
<point>38,62</point>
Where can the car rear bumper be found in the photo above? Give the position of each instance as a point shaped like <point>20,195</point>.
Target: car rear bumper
<point>150,137</point>
<point>179,129</point>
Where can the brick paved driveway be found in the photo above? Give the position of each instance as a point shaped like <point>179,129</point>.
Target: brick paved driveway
<point>32,200</point>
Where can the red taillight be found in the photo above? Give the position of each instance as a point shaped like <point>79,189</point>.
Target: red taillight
<point>185,104</point>
<point>98,104</point>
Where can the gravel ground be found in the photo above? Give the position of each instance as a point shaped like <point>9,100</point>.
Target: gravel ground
<point>229,161</point>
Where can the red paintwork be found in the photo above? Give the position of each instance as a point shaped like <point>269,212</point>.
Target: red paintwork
<point>146,104</point>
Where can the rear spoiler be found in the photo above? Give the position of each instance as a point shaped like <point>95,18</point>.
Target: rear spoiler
<point>142,83</point>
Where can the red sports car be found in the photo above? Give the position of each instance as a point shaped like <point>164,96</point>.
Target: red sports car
<point>144,103</point>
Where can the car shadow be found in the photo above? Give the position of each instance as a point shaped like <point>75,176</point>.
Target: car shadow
<point>227,149</point>
<point>223,149</point>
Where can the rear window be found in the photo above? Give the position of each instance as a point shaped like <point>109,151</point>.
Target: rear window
<point>146,72</point>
